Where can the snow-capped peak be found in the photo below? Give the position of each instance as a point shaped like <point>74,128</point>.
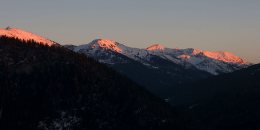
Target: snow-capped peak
<point>106,44</point>
<point>24,35</point>
<point>217,55</point>
<point>155,47</point>
<point>212,62</point>
<point>224,56</point>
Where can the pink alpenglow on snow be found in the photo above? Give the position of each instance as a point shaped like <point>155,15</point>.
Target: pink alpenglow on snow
<point>212,62</point>
<point>23,35</point>
<point>224,56</point>
<point>155,47</point>
<point>106,44</point>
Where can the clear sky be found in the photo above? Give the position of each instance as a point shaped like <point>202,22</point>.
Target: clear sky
<point>228,25</point>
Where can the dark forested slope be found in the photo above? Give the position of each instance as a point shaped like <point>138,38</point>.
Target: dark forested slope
<point>228,101</point>
<point>44,87</point>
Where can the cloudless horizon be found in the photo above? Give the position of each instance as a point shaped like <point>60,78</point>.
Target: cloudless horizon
<point>223,25</point>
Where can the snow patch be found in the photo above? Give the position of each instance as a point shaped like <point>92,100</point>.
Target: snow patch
<point>65,122</point>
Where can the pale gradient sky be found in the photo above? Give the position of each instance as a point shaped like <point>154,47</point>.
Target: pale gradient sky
<point>228,25</point>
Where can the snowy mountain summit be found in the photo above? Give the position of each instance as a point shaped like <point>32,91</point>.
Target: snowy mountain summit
<point>155,47</point>
<point>211,62</point>
<point>23,35</point>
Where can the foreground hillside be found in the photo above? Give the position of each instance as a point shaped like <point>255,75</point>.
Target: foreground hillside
<point>44,87</point>
<point>228,101</point>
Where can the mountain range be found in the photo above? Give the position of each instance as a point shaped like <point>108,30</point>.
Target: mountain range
<point>159,69</point>
<point>44,85</point>
<point>212,62</point>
